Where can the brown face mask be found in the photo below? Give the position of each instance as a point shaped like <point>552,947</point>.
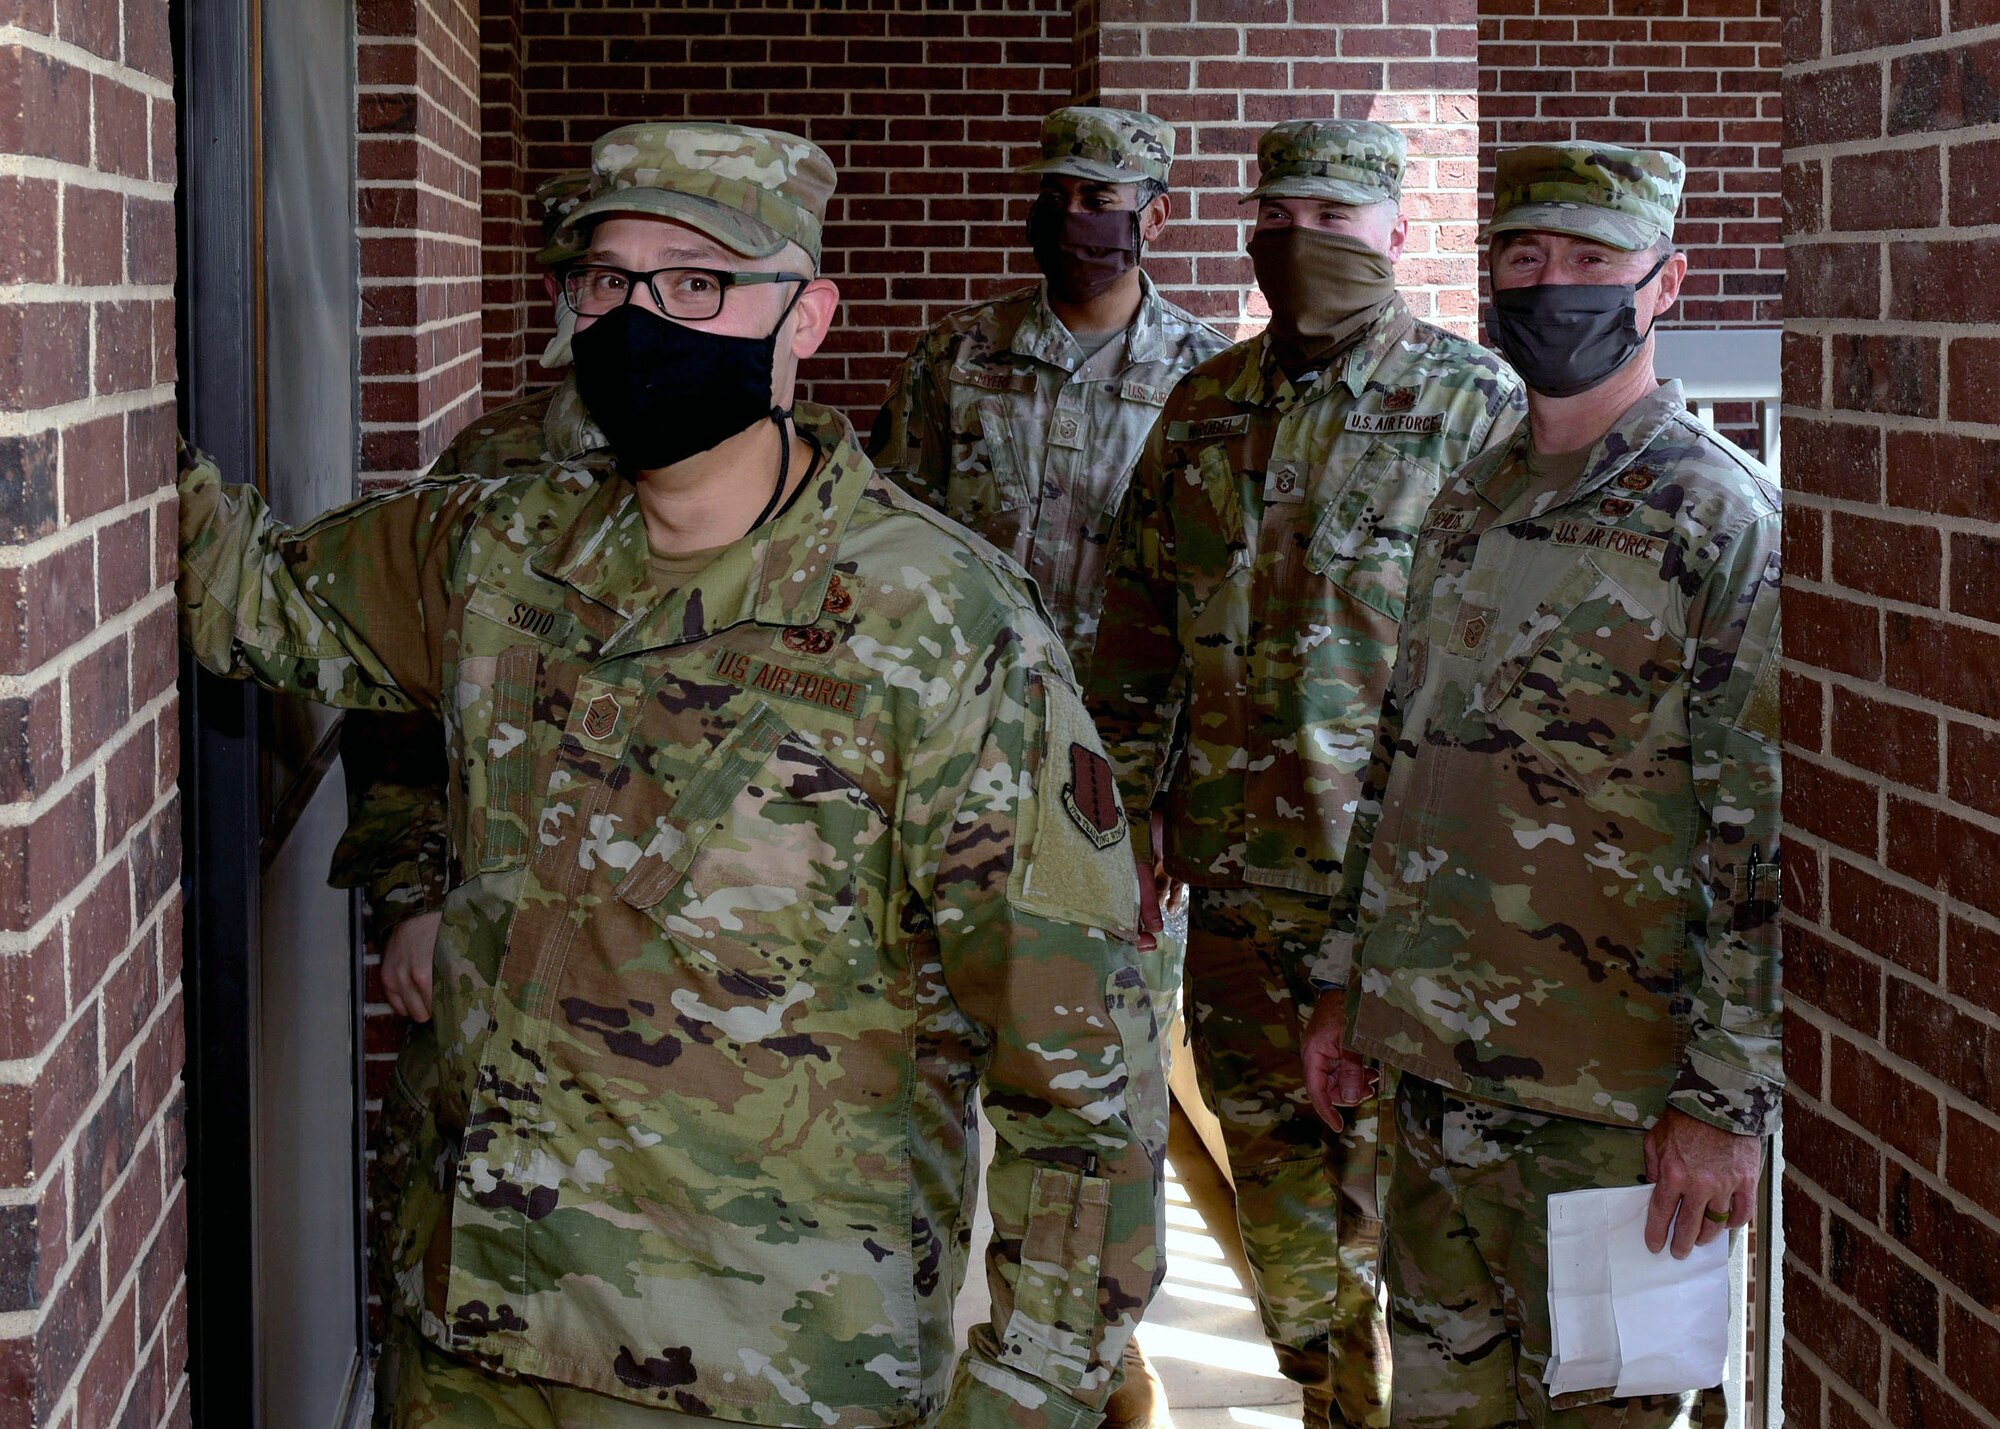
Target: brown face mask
<point>1082,254</point>
<point>1323,288</point>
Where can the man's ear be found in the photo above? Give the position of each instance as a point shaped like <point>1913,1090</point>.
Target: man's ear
<point>812,318</point>
<point>1668,291</point>
<point>1153,222</point>
<point>1399,234</point>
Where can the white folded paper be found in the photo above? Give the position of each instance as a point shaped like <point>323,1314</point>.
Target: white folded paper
<point>1624,1318</point>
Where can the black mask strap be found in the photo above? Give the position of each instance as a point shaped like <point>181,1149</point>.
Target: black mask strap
<point>1651,274</point>
<point>781,416</point>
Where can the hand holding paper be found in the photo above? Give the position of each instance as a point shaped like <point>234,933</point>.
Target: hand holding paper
<point>1622,1316</point>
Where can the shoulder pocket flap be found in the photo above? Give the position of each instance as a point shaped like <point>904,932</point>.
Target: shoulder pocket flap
<point>724,775</point>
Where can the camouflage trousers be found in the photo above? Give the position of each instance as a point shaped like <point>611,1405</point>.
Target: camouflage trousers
<point>1306,1200</point>
<point>419,1385</point>
<point>1467,1262</point>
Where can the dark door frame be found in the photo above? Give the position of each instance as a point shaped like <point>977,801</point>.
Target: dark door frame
<point>217,319</point>
<point>230,828</point>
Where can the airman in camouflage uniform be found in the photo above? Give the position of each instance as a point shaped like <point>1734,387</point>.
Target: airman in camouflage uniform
<point>1257,574</point>
<point>1564,865</point>
<point>1000,420</point>
<point>766,866</point>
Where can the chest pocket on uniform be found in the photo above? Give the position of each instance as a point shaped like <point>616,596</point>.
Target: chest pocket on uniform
<point>1209,539</point>
<point>1367,535</point>
<point>1583,680</point>
<point>496,707</point>
<point>986,479</point>
<point>756,864</point>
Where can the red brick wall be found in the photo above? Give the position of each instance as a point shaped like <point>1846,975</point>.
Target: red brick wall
<point>1699,77</point>
<point>1226,70</point>
<point>419,163</point>
<point>93,1304</point>
<point>924,112</point>
<point>1892,715</point>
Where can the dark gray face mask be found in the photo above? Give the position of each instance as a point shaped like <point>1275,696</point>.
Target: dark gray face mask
<point>1567,338</point>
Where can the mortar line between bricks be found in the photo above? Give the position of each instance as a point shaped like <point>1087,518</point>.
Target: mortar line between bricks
<point>76,57</point>
<point>1881,54</point>
<point>1893,422</point>
<point>28,681</point>
<point>85,409</point>
<point>1885,605</point>
<point>161,1327</point>
<point>1911,704</point>
<point>42,294</point>
<point>421,141</point>
<point>1812,843</point>
<point>1888,515</point>
<point>28,552</point>
<point>424,235</point>
<point>24,166</point>
<point>1837,1387</point>
<point>386,378</point>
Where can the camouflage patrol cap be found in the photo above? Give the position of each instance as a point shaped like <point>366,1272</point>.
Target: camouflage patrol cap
<point>748,189</point>
<point>1623,197</point>
<point>558,198</point>
<point>1113,146</point>
<point>1346,160</point>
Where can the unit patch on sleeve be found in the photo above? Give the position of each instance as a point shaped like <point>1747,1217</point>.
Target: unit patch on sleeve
<point>1092,798</point>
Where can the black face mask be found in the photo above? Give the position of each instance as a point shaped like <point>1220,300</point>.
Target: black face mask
<point>1082,254</point>
<point>1566,339</point>
<point>661,391</point>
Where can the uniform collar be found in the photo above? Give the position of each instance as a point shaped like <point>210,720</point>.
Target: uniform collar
<point>1262,383</point>
<point>567,429</point>
<point>1041,335</point>
<point>1500,477</point>
<point>776,575</point>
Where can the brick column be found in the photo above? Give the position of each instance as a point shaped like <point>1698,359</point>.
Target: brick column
<point>93,1304</point>
<point>1225,70</point>
<point>511,288</point>
<point>1892,714</point>
<point>418,158</point>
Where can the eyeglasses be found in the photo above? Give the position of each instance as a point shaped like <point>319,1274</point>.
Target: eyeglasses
<point>690,294</point>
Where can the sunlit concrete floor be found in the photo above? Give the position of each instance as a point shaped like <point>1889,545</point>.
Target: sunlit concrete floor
<point>1202,1333</point>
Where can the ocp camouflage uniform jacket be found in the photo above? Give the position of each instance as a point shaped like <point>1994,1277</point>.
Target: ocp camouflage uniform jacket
<point>763,876</point>
<point>1565,868</point>
<point>397,847</point>
<point>998,421</point>
<point>1257,576</point>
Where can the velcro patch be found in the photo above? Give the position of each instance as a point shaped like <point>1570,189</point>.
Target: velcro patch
<point>553,626</point>
<point>1134,391</point>
<point>994,379</point>
<point>807,687</point>
<point>1636,544</point>
<point>1092,798</point>
<point>1450,520</point>
<point>1404,423</point>
<point>1210,429</point>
